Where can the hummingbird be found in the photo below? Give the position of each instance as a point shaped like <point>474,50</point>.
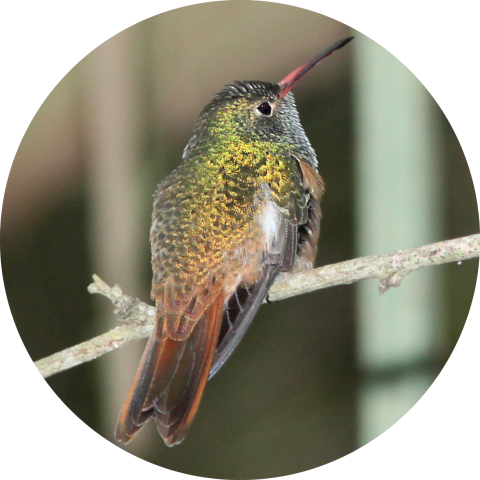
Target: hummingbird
<point>240,211</point>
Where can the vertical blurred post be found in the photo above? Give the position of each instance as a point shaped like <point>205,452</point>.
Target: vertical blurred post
<point>112,116</point>
<point>398,205</point>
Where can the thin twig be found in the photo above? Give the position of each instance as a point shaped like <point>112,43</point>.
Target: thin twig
<point>390,268</point>
<point>139,317</point>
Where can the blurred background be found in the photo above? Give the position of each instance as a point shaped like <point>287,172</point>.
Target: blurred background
<point>302,389</point>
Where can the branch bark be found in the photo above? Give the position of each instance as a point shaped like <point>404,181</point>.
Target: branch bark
<point>138,318</point>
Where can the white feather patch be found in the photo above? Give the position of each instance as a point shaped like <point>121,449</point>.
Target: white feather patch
<point>270,220</point>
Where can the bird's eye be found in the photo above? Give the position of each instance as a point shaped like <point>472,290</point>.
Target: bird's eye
<point>265,108</point>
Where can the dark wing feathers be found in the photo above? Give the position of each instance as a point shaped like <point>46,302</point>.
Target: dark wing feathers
<point>238,314</point>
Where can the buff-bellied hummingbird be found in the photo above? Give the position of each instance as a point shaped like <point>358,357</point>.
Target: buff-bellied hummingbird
<point>242,208</point>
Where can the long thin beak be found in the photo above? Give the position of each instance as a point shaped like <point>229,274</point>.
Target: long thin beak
<point>290,80</point>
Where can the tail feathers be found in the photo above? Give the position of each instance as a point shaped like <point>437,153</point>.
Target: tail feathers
<point>170,380</point>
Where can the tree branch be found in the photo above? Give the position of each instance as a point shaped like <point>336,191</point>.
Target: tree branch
<point>139,318</point>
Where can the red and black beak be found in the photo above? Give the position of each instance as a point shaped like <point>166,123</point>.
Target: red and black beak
<point>290,80</point>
